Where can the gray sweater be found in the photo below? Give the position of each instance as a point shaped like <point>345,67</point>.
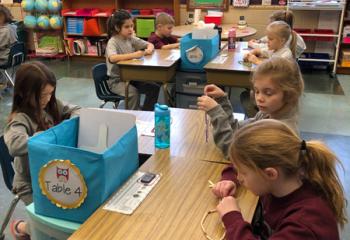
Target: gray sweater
<point>224,123</point>
<point>16,135</point>
<point>8,36</point>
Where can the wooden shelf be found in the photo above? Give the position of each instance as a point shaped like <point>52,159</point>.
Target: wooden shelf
<point>85,16</point>
<point>144,16</point>
<point>82,35</point>
<point>343,70</point>
<point>344,46</point>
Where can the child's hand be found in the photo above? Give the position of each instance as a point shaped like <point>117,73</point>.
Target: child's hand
<point>227,204</point>
<point>246,56</point>
<point>148,51</point>
<point>139,54</point>
<point>252,58</point>
<point>206,103</point>
<point>213,91</point>
<point>224,188</point>
<point>252,42</point>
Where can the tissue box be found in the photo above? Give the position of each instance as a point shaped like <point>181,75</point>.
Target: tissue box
<point>195,53</point>
<point>71,182</point>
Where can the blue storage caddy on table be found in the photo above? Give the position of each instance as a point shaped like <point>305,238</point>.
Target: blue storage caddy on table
<point>195,53</point>
<point>76,165</point>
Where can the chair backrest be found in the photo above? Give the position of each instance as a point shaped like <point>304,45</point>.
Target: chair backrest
<point>99,74</point>
<point>6,164</point>
<point>16,55</point>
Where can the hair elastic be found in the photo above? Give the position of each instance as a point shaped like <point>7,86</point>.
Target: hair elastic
<point>303,145</point>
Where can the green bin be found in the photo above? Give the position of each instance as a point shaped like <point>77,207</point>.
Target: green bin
<point>144,27</point>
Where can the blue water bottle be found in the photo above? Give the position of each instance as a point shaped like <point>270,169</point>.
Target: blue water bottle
<point>162,126</point>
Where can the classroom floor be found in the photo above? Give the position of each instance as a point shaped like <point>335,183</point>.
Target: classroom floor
<point>325,114</point>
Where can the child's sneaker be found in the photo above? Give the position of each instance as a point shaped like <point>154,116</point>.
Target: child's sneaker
<point>15,233</point>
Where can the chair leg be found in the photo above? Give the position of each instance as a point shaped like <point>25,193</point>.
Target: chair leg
<point>8,215</point>
<point>7,75</point>
<point>116,104</point>
<point>103,104</point>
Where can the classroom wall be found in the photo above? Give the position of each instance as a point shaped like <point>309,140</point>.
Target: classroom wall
<point>16,11</point>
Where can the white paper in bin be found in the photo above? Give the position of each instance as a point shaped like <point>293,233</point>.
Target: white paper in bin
<point>101,128</point>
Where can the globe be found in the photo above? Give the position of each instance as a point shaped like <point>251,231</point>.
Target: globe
<point>56,22</point>
<point>41,5</point>
<point>54,5</point>
<point>30,21</point>
<point>43,22</point>
<point>27,5</point>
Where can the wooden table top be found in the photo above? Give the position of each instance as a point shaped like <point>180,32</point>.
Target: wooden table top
<point>182,30</point>
<point>233,62</point>
<point>175,207</point>
<point>159,58</point>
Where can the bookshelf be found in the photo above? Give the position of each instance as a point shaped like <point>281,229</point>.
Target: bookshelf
<point>85,21</point>
<point>312,5</point>
<point>342,67</point>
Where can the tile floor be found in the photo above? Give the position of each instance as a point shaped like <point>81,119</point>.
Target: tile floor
<point>325,114</point>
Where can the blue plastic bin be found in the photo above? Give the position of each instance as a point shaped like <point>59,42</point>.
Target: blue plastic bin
<point>75,25</point>
<point>309,65</point>
<point>103,172</point>
<point>209,48</point>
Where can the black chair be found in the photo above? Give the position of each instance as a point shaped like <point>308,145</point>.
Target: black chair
<point>16,58</point>
<point>99,74</point>
<point>7,172</point>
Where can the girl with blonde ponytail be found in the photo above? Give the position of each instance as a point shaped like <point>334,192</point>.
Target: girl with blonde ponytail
<point>296,180</point>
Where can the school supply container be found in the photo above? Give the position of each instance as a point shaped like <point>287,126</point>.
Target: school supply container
<point>75,25</point>
<point>189,86</point>
<point>162,126</point>
<point>195,53</point>
<point>213,19</point>
<point>76,165</point>
<point>144,27</point>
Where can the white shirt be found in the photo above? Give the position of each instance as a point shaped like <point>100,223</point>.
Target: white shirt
<point>300,48</point>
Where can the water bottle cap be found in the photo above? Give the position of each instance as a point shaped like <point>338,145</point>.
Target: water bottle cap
<point>161,106</point>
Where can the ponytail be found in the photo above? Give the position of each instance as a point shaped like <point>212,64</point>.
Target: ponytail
<point>271,143</point>
<point>319,164</point>
<point>293,43</point>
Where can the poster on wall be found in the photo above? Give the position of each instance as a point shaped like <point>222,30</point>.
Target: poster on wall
<point>240,3</point>
<point>208,4</point>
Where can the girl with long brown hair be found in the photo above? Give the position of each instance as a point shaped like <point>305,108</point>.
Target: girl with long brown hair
<point>34,109</point>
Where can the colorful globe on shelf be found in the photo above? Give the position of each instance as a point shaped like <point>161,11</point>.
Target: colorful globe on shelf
<point>30,21</point>
<point>56,22</point>
<point>54,5</point>
<point>41,5</point>
<point>27,5</point>
<point>43,22</point>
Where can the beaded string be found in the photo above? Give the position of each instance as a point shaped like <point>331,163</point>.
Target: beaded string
<point>206,214</point>
<point>206,127</point>
<point>245,63</point>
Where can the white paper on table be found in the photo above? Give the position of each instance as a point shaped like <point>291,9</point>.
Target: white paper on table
<point>145,128</point>
<point>219,59</point>
<point>171,57</point>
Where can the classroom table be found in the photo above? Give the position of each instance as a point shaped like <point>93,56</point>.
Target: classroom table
<point>175,207</point>
<point>231,72</point>
<point>182,30</point>
<point>157,67</point>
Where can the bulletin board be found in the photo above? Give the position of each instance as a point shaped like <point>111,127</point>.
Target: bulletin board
<point>208,4</point>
